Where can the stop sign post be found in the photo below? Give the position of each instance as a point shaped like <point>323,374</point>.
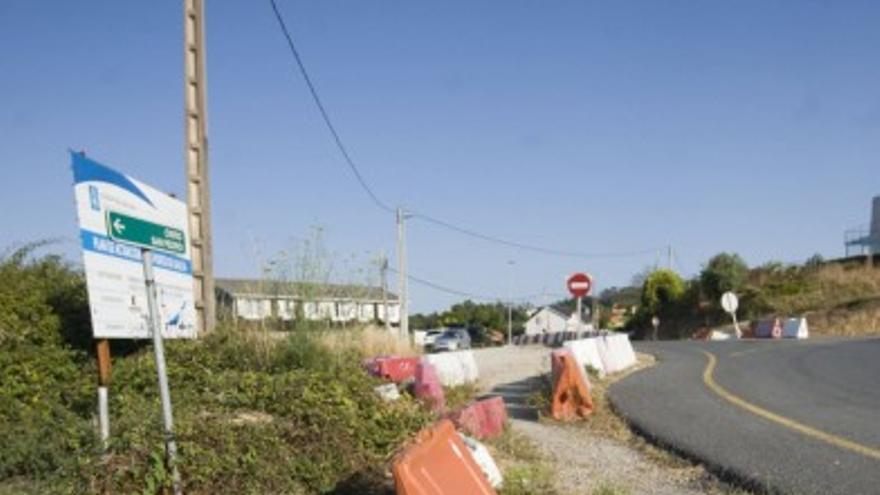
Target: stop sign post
<point>579,285</point>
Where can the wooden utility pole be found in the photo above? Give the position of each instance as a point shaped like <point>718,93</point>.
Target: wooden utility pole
<point>198,191</point>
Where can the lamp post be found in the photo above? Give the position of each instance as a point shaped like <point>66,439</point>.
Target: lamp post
<point>510,263</point>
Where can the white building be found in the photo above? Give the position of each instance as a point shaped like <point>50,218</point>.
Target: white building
<point>546,319</point>
<point>553,319</point>
<point>255,300</point>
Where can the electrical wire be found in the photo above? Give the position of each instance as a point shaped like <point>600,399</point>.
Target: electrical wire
<point>324,115</point>
<point>470,295</point>
<point>528,247</point>
<point>427,218</point>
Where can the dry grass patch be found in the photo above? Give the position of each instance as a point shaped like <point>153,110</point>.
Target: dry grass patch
<point>369,341</point>
<point>526,471</point>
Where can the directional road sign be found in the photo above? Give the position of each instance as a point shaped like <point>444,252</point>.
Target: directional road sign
<point>145,234</point>
<point>118,215</point>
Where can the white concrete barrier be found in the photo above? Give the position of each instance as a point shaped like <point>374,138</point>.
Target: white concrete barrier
<point>454,368</point>
<point>616,352</point>
<point>586,352</point>
<point>795,328</point>
<point>484,459</point>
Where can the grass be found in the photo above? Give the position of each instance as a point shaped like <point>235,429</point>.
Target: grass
<point>836,299</point>
<point>526,471</point>
<point>369,341</point>
<point>608,488</point>
<point>459,396</point>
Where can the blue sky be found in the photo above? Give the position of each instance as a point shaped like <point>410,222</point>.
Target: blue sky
<point>748,126</point>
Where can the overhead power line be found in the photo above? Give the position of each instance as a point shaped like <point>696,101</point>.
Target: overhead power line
<point>324,115</point>
<point>470,295</point>
<point>448,290</point>
<point>343,150</point>
<point>529,247</point>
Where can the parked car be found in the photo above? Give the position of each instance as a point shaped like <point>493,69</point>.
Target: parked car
<point>452,339</point>
<point>431,336</point>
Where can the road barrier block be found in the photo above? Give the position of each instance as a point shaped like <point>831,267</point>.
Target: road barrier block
<point>484,459</point>
<point>795,328</point>
<point>481,419</point>
<point>394,368</point>
<point>438,463</point>
<point>616,352</point>
<point>571,390</point>
<point>427,387</point>
<point>768,329</point>
<point>586,352</point>
<point>454,368</point>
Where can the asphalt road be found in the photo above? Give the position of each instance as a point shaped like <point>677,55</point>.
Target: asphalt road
<point>787,416</point>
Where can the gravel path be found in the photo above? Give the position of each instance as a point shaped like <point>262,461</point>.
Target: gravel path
<point>583,460</point>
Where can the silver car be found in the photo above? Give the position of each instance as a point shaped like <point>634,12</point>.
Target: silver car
<point>452,339</point>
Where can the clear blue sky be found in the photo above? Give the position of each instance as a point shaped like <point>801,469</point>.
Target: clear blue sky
<point>747,126</point>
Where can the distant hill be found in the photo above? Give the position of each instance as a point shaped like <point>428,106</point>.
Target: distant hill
<point>838,297</point>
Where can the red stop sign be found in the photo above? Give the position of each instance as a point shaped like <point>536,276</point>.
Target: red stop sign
<point>579,284</point>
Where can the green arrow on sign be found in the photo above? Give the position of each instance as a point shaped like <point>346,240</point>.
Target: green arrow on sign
<point>131,230</point>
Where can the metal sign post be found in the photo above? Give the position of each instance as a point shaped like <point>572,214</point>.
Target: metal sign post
<point>159,349</point>
<point>655,322</point>
<point>103,353</point>
<point>579,285</point>
<point>730,303</point>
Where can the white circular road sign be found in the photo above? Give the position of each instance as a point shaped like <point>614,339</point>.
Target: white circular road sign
<point>729,302</point>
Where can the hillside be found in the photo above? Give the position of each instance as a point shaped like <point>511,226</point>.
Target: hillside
<point>837,298</point>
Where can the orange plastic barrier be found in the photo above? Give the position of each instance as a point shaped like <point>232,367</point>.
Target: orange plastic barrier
<point>439,463</point>
<point>571,391</point>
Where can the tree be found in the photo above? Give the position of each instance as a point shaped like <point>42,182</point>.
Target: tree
<point>724,272</point>
<point>662,289</point>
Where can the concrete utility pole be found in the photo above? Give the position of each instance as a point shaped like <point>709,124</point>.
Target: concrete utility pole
<point>198,191</point>
<point>402,287</point>
<point>383,269</point>
<point>510,263</point>
<point>669,257</point>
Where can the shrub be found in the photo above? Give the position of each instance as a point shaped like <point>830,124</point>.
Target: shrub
<point>260,420</point>
<point>661,290</point>
<point>253,414</point>
<point>724,272</point>
<point>46,396</point>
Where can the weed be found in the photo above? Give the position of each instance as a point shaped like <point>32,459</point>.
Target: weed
<point>607,488</point>
<point>460,395</point>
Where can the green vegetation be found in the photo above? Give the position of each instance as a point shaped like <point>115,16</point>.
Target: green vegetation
<point>460,395</point>
<point>607,488</point>
<point>253,414</point>
<point>724,272</point>
<point>480,318</point>
<point>526,472</point>
<point>837,299</point>
<point>662,289</point>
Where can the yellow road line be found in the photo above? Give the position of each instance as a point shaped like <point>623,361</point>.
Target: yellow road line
<point>776,418</point>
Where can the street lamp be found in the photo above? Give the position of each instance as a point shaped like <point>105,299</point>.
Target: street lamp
<point>510,263</point>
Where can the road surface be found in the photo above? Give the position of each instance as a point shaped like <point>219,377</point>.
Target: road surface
<point>787,416</point>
